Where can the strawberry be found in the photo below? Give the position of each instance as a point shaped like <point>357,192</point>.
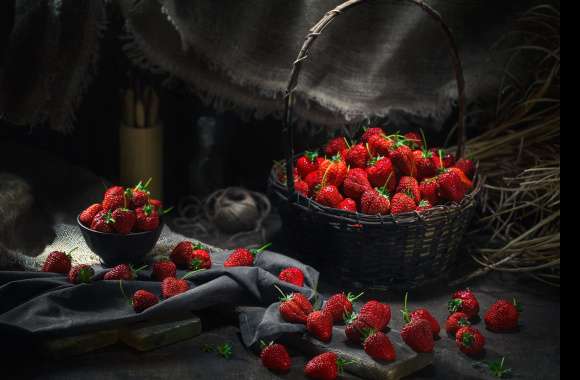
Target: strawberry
<point>426,315</point>
<point>455,322</point>
<point>143,300</point>
<point>81,274</point>
<point>348,205</point>
<point>200,259</point>
<point>157,204</point>
<point>171,287</point>
<point>121,272</point>
<point>302,188</point>
<point>404,160</point>
<point>308,163</point>
<point>357,156</point>
<point>465,301</point>
<point>414,140</point>
<point>329,196</point>
<point>449,160</point>
<point>503,316</point>
<point>355,327</point>
<point>466,166</point>
<point>375,202</point>
<point>140,194</point>
<point>380,172</point>
<point>380,145</point>
<point>425,165</point>
<point>114,198</point>
<point>333,171</point>
<point>430,191</point>
<point>356,183</point>
<point>87,216</point>
<point>369,133</point>
<point>442,160</point>
<point>292,276</point>
<point>379,347</point>
<point>424,205</point>
<point>275,357</point>
<point>103,222</point>
<point>295,308</point>
<point>470,341</point>
<point>340,305</point>
<point>163,269</point>
<point>376,315</point>
<point>243,257</point>
<point>313,181</point>
<point>147,218</point>
<point>336,146</point>
<point>324,367</point>
<point>450,186</point>
<point>402,203</point>
<point>410,186</point>
<point>181,254</point>
<point>125,220</point>
<point>320,324</point>
<point>467,183</point>
<point>58,262</point>
<point>418,332</point>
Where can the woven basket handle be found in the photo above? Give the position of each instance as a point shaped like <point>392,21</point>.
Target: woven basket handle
<point>316,31</point>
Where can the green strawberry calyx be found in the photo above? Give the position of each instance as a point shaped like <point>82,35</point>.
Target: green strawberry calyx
<point>144,187</point>
<point>311,156</point>
<point>264,345</point>
<point>498,369</point>
<point>468,340</point>
<point>196,264</point>
<point>148,209</point>
<point>350,318</point>
<point>464,322</point>
<point>367,333</point>
<point>108,218</point>
<point>225,350</point>
<point>455,305</point>
<point>85,274</point>
<point>518,305</point>
<point>375,160</point>
<point>199,247</point>
<point>342,363</point>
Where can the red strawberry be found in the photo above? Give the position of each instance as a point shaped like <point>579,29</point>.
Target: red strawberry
<point>157,204</point>
<point>81,274</point>
<point>414,140</point>
<point>181,254</point>
<point>89,214</point>
<point>425,165</point>
<point>340,305</point>
<point>370,132</point>
<point>467,183</point>
<point>442,160</point>
<point>58,262</point>
<point>121,272</point>
<point>450,186</point>
<point>380,145</point>
<point>329,196</point>
<point>302,188</point>
<point>449,160</point>
<point>336,146</point>
<point>243,257</point>
<point>410,186</point>
<point>295,308</point>
<point>140,194</point>
<point>275,357</point>
<point>333,171</point>
<point>163,269</point>
<point>503,317</point>
<point>376,202</point>
<point>417,333</point>
<point>143,300</point>
<point>103,222</point>
<point>292,276</point>
<point>114,198</point>
<point>470,341</point>
<point>320,324</point>
<point>171,287</point>
<point>125,220</point>
<point>430,191</point>
<point>379,347</point>
<point>354,328</point>
<point>424,205</point>
<point>402,203</point>
<point>200,259</point>
<point>466,166</point>
<point>426,315</point>
<point>376,315</point>
<point>313,181</point>
<point>404,160</point>
<point>380,172</point>
<point>348,205</point>
<point>357,156</point>
<point>356,183</point>
<point>147,218</point>
<point>308,163</point>
<point>465,301</point>
<point>324,367</point>
<point>455,322</point>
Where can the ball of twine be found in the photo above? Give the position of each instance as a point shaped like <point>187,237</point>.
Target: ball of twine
<point>15,199</point>
<point>234,210</point>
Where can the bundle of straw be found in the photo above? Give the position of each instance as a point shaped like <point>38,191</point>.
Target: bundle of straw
<point>520,157</point>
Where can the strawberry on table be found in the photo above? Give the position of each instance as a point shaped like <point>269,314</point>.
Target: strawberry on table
<point>340,305</point>
<point>81,274</point>
<point>58,262</point>
<point>455,322</point>
<point>376,202</point>
<point>357,156</point>
<point>114,198</point>
<point>320,324</point>
<point>422,313</point>
<point>182,253</point>
<point>122,272</point>
<point>466,302</point>
<point>308,163</point>
<point>143,300</point>
<point>378,346</point>
<point>329,196</point>
<point>503,316</point>
<point>243,257</point>
<point>275,357</point>
<point>125,220</point>
<point>356,183</point>
<point>380,172</point>
<point>402,203</point>
<point>324,367</point>
<point>163,269</point>
<point>147,218</point>
<point>200,259</point>
<point>417,333</point>
<point>292,276</point>
<point>87,216</point>
<point>104,222</point>
<point>295,308</point>
<point>376,314</point>
<point>470,341</point>
<point>171,287</point>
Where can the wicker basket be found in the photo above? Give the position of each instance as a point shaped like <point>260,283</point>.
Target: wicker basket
<point>363,251</point>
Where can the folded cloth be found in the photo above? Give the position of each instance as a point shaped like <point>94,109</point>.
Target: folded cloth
<point>44,305</point>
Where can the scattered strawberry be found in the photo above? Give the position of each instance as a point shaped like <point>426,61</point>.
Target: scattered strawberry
<point>171,287</point>
<point>340,305</point>
<point>356,183</point>
<point>465,301</point>
<point>147,218</point>
<point>348,205</point>
<point>320,324</point>
<point>87,216</point>
<point>402,203</point>
<point>114,198</point>
<point>404,159</point>
<point>333,171</point>
<point>376,202</point>
<point>200,258</point>
<point>324,367</point>
<point>292,276</point>
<point>302,188</point>
<point>81,274</point>
<point>121,272</point>
<point>355,328</point>
<point>381,172</point>
<point>375,314</point>
<point>466,166</point>
<point>380,145</point>
<point>422,314</point>
<point>371,132</point>
<point>379,347</point>
<point>455,322</point>
<point>329,196</point>
<point>58,262</point>
<point>410,186</point>
<point>243,257</point>
<point>103,222</point>
<point>336,146</point>
<point>308,163</point>
<point>417,333</point>
<point>503,317</point>
<point>163,269</point>
<point>424,205</point>
<point>430,191</point>
<point>295,308</point>
<point>357,156</point>
<point>125,220</point>
<point>470,341</point>
<point>275,357</point>
<point>450,186</point>
<point>181,254</point>
<point>143,300</point>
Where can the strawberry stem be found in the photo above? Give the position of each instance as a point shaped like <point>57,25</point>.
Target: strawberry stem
<point>263,248</point>
<point>190,274</point>
<point>405,311</point>
<point>72,250</point>
<point>353,298</point>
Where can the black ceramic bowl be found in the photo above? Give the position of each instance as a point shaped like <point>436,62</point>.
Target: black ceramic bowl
<point>116,249</point>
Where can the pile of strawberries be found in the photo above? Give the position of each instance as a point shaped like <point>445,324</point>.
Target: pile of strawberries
<point>367,328</point>
<point>382,174</point>
<point>124,211</point>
